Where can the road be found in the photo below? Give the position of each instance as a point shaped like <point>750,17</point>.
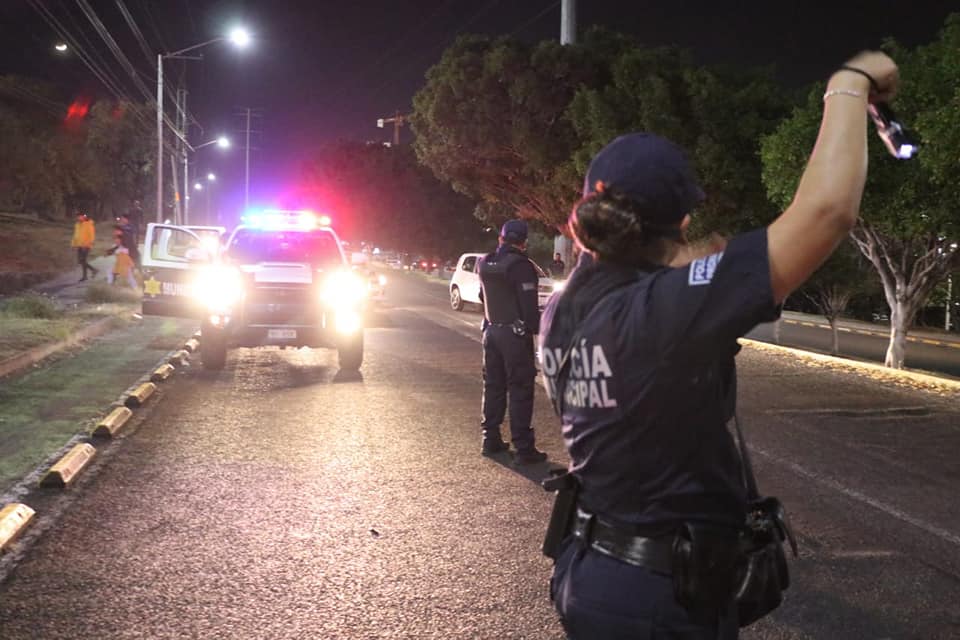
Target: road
<point>276,500</point>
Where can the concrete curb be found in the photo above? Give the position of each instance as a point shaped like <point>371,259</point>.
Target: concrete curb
<point>32,356</point>
<point>901,375</point>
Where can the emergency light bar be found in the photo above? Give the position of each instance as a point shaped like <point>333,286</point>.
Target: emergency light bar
<point>273,220</point>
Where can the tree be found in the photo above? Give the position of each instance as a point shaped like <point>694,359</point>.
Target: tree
<point>122,152</point>
<point>717,114</point>
<point>491,122</point>
<point>833,286</point>
<point>908,227</point>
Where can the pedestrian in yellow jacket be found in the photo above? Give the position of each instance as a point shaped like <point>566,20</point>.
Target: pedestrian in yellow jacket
<point>83,237</point>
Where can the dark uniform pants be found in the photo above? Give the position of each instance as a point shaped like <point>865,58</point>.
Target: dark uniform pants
<point>601,597</point>
<point>508,369</point>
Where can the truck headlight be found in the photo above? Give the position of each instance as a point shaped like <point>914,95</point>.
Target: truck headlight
<point>343,289</point>
<point>218,287</point>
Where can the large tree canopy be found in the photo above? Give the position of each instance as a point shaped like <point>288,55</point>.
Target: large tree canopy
<point>53,159</point>
<point>491,122</point>
<point>909,226</point>
<point>514,126</point>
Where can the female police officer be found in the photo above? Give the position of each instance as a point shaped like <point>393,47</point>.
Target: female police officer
<point>639,351</point>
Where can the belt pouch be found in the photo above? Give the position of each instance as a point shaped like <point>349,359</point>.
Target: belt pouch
<point>564,510</point>
<point>705,561</point>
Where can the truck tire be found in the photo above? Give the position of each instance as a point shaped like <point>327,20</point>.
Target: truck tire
<point>213,349</point>
<point>350,353</point>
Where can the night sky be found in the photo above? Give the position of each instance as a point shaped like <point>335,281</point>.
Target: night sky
<point>320,70</point>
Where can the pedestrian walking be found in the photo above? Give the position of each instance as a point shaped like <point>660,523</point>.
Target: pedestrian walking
<point>129,238</point>
<point>509,282</point>
<point>123,264</point>
<point>557,268</point>
<point>638,357</point>
<point>84,235</point>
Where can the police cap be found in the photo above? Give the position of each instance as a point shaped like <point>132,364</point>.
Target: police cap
<point>650,170</point>
<point>514,231</point>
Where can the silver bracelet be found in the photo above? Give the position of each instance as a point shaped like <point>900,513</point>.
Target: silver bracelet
<point>842,92</point>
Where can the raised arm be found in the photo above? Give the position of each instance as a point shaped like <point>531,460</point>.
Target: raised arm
<point>827,202</point>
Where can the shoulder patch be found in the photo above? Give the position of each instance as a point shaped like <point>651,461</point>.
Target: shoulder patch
<point>702,269</point>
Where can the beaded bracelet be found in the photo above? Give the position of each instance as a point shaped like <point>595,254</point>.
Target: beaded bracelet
<point>842,92</point>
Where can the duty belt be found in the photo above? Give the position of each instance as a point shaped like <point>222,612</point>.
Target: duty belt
<point>655,554</point>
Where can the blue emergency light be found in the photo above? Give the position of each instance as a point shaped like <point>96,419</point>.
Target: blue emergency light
<point>276,220</point>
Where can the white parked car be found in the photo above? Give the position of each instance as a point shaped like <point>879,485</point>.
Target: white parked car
<point>465,283</point>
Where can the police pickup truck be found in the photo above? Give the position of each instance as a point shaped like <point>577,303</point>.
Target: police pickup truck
<point>281,278</point>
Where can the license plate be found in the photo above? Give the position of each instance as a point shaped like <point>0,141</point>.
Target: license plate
<point>282,333</point>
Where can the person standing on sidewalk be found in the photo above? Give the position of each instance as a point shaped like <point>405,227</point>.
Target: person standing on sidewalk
<point>84,234</point>
<point>638,356</point>
<point>511,319</point>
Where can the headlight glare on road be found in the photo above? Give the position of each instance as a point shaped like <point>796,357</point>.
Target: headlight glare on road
<point>343,289</point>
<point>218,287</point>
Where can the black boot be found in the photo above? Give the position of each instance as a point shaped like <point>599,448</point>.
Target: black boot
<point>493,444</point>
<point>529,456</point>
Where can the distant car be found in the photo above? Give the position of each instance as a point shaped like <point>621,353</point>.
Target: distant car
<point>465,283</point>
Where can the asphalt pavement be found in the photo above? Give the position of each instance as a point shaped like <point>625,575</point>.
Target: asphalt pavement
<point>278,499</point>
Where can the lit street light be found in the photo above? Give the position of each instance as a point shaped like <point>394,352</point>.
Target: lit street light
<point>223,142</point>
<point>198,186</point>
<point>240,38</point>
<point>211,177</point>
<point>61,47</point>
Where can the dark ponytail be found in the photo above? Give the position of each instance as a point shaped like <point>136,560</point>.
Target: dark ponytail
<point>611,226</point>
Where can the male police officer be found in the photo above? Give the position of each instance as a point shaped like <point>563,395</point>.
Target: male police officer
<point>511,318</point>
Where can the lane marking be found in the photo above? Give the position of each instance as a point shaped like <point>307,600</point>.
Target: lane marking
<point>939,532</point>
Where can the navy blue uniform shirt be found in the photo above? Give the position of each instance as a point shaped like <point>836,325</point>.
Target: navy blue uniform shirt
<point>510,288</point>
<point>651,383</point>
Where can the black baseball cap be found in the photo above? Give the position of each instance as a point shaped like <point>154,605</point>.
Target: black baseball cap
<point>514,231</point>
<point>650,170</point>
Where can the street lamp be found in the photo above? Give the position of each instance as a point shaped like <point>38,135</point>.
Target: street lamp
<point>198,186</point>
<point>211,177</point>
<point>223,142</point>
<point>61,47</point>
<point>240,38</point>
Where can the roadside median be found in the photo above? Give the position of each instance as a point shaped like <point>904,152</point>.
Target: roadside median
<point>65,404</point>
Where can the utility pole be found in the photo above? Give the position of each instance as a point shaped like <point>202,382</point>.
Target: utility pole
<point>184,131</point>
<point>178,199</point>
<point>947,324</point>
<point>159,138</point>
<point>568,22</point>
<point>568,35</point>
<point>398,121</point>
<point>248,114</point>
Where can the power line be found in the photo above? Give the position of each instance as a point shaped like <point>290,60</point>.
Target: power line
<point>535,18</point>
<point>147,52</point>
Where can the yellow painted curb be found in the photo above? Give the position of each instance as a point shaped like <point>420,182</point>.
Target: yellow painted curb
<point>69,466</point>
<point>161,373</point>
<point>140,395</point>
<point>924,379</point>
<point>109,426</point>
<point>180,358</point>
<point>191,345</point>
<point>14,518</point>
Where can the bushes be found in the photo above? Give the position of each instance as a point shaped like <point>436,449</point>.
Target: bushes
<point>32,305</point>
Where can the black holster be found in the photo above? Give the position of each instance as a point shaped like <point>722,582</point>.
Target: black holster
<point>706,559</point>
<point>564,509</point>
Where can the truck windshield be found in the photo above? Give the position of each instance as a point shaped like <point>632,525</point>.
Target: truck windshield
<point>318,248</point>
